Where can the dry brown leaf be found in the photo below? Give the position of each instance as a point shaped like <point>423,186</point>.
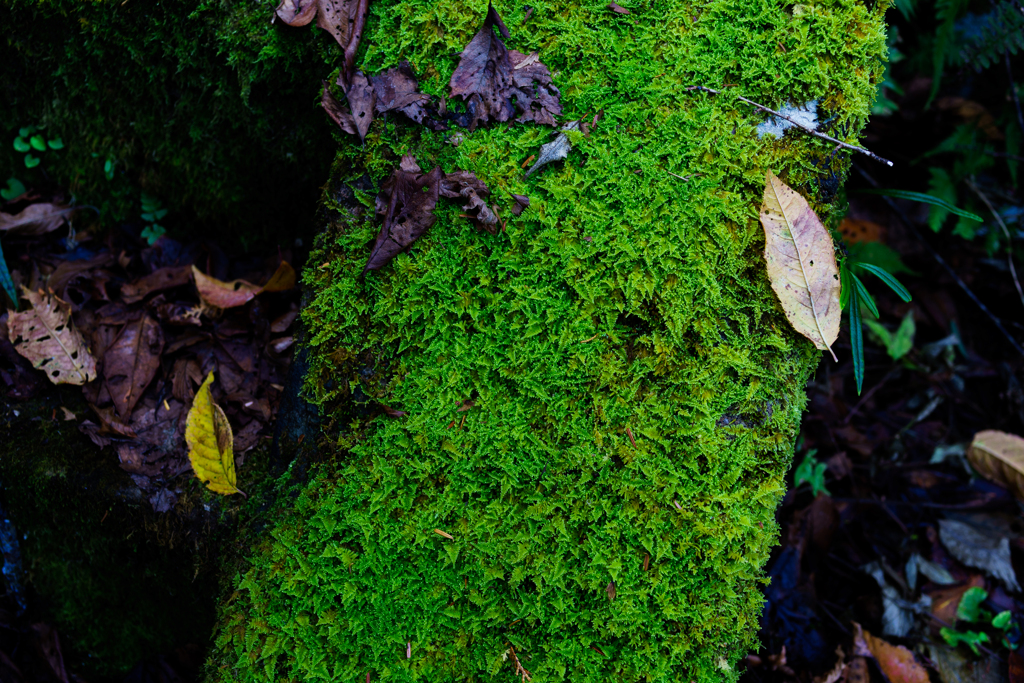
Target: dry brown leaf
<point>131,362</point>
<point>801,264</point>
<point>220,294</point>
<point>296,12</point>
<point>896,661</point>
<point>35,219</point>
<point>999,457</point>
<point>945,600</point>
<point>282,280</point>
<point>45,336</point>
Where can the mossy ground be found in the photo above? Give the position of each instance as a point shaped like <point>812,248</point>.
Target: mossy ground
<point>205,106</point>
<point>624,305</point>
<point>119,582</point>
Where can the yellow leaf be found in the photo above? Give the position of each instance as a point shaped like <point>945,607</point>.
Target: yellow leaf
<point>209,439</point>
<point>801,264</point>
<point>999,457</point>
<point>45,336</point>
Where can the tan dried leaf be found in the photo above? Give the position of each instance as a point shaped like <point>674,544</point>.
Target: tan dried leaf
<point>895,661</point>
<point>35,219</point>
<point>801,264</point>
<point>999,457</point>
<point>45,336</point>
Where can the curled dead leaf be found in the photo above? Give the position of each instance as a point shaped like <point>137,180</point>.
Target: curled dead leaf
<point>45,336</point>
<point>210,442</point>
<point>801,264</point>
<point>999,457</point>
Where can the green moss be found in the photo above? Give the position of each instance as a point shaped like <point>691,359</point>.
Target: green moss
<point>209,108</point>
<point>637,388</point>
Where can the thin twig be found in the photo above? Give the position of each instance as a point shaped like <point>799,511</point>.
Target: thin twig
<point>871,392</point>
<point>809,131</point>
<point>520,670</point>
<point>1009,240</point>
<point>942,262</point>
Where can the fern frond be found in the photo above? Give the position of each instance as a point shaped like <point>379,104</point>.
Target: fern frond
<point>994,33</point>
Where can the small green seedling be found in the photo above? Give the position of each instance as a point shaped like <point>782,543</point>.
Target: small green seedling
<point>813,472</point>
<point>15,188</point>
<point>969,610</point>
<point>897,344</point>
<point>151,213</point>
<point>30,139</point>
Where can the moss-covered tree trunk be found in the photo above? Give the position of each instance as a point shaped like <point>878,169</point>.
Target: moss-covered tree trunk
<point>601,401</point>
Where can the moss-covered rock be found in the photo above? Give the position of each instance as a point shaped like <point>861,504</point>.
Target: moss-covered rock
<point>607,501</point>
<point>205,106</point>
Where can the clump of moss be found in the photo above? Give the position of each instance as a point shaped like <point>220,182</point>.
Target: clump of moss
<point>635,387</point>
<point>205,106</point>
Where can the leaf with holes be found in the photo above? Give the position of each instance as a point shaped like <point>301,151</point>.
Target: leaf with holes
<point>45,336</point>
<point>210,442</point>
<point>406,201</point>
<point>801,264</point>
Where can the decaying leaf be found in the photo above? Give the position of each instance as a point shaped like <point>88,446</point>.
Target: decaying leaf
<point>337,111</point>
<point>522,203</point>
<point>955,666</point>
<point>801,264</point>
<point>465,185</point>
<point>999,457</point>
<point>210,442</point>
<point>282,280</point>
<point>617,9</point>
<point>220,294</point>
<point>45,336</point>
<point>35,219</point>
<point>488,77</point>
<point>361,100</point>
<point>536,99</point>
<point>975,549</point>
<point>396,90</point>
<point>131,362</point>
<point>406,201</point>
<point>556,150</point>
<point>157,281</point>
<point>896,661</point>
<point>945,601</point>
<point>343,19</point>
<point>296,12</point>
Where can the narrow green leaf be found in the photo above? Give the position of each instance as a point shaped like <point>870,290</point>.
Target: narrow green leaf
<point>38,143</point>
<point>6,281</point>
<point>862,293</point>
<point>925,199</point>
<point>888,279</point>
<point>856,341</point>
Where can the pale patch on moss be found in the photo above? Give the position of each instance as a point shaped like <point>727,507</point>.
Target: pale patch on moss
<point>637,388</point>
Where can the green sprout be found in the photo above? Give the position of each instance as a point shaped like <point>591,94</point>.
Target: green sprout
<point>813,472</point>
<point>969,610</point>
